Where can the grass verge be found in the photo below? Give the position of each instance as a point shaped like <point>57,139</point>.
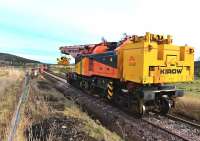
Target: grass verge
<point>10,89</point>
<point>50,114</point>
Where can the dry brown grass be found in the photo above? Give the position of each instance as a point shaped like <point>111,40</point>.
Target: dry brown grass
<point>10,85</point>
<point>93,128</point>
<point>40,106</point>
<point>9,76</point>
<point>35,110</point>
<point>189,105</point>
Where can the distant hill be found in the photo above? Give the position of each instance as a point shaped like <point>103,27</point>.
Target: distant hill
<point>10,59</point>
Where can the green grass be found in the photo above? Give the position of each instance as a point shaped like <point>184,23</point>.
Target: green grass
<point>189,105</point>
<point>61,69</point>
<point>190,88</point>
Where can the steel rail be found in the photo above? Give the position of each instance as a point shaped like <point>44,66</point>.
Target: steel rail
<point>166,130</point>
<point>183,120</point>
<point>56,77</point>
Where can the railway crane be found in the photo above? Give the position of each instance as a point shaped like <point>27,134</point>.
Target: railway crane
<point>137,72</point>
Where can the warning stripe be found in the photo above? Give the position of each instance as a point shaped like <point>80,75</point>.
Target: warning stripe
<point>110,93</point>
<point>110,83</point>
<point>110,87</point>
<point>110,90</point>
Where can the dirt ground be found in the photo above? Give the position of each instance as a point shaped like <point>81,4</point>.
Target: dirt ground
<point>58,128</point>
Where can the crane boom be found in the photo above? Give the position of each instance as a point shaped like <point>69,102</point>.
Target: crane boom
<point>88,48</point>
<point>76,49</point>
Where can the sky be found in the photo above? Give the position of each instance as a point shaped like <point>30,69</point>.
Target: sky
<point>35,29</point>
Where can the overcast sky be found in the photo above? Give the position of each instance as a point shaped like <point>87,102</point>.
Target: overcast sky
<point>35,29</point>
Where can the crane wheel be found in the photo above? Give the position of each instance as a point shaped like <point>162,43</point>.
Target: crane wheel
<point>140,107</point>
<point>165,106</point>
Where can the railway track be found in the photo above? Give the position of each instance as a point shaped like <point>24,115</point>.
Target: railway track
<point>166,130</point>
<point>183,129</point>
<point>149,128</point>
<point>183,120</point>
